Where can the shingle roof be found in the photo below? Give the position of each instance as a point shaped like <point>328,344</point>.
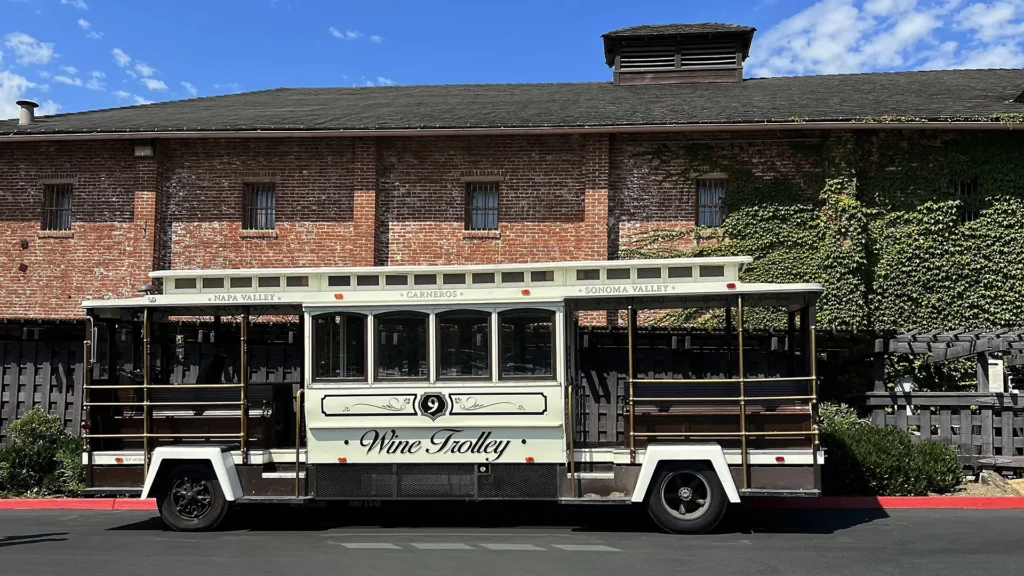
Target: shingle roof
<point>677,29</point>
<point>917,96</point>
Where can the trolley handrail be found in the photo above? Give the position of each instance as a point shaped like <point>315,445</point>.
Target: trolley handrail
<point>798,401</point>
<point>298,436</point>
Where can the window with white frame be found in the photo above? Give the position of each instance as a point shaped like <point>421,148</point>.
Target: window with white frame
<point>401,340</point>
<point>464,344</point>
<point>340,346</point>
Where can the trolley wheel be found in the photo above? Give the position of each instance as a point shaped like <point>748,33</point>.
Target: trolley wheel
<point>192,500</point>
<point>687,499</point>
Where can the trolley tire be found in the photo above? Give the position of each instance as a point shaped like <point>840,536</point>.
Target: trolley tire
<point>715,500</point>
<point>191,474</point>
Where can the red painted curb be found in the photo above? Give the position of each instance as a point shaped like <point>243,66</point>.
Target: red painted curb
<point>77,504</point>
<point>888,502</point>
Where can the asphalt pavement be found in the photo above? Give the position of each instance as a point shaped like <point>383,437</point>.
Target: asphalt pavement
<point>498,540</point>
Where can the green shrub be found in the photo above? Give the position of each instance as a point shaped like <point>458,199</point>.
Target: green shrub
<point>865,460</point>
<point>869,461</point>
<point>41,458</point>
<point>837,417</point>
<point>939,466</point>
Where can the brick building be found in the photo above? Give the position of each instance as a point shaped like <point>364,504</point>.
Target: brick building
<point>91,202</point>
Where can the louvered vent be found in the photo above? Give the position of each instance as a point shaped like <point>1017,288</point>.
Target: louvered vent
<point>678,53</point>
<point>647,56</point>
<point>707,54</point>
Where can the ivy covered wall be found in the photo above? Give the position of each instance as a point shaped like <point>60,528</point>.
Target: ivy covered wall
<point>905,229</point>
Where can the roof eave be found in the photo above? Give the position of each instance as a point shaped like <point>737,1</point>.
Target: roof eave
<point>852,124</point>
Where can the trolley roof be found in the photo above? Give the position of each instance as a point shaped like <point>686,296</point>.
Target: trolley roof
<point>705,279</point>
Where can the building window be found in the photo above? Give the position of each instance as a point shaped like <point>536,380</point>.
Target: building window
<point>482,206</point>
<point>258,206</point>
<point>463,345</point>
<point>401,345</point>
<point>527,343</point>
<point>340,346</point>
<point>57,207</point>
<point>968,193</point>
<point>710,193</point>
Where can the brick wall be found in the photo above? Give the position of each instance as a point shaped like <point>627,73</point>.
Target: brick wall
<point>203,183</point>
<point>545,211</point>
<point>653,177</point>
<point>109,249</point>
<point>344,202</point>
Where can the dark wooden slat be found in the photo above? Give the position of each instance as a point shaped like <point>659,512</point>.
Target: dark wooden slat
<point>5,394</point>
<point>62,355</point>
<point>986,431</point>
<point>73,383</point>
<point>945,426</point>
<point>925,418</point>
<point>47,392</point>
<point>966,441</point>
<point>1007,433</point>
<point>28,356</point>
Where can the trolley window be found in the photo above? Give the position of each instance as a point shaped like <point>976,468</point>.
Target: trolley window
<point>463,345</point>
<point>340,346</point>
<point>401,341</point>
<point>527,343</point>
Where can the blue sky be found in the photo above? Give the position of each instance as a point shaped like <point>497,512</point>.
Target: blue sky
<point>73,55</point>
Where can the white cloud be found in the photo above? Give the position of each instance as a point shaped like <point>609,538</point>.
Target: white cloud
<point>993,21</point>
<point>69,69</point>
<point>154,84</point>
<point>28,50</point>
<point>68,81</point>
<point>122,95</point>
<point>89,32</point>
<point>140,100</point>
<point>192,92</point>
<point>121,58</point>
<point>346,34</point>
<point>44,74</point>
<point>96,82</point>
<point>376,39</point>
<point>232,87</point>
<point>850,36</point>
<point>80,4</point>
<point>382,81</point>
<point>13,87</point>
<point>144,69</point>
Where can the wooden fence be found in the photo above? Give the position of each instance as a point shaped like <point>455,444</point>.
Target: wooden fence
<point>40,373</point>
<point>987,428</point>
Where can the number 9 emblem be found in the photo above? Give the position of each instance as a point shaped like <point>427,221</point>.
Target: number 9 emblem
<point>433,406</point>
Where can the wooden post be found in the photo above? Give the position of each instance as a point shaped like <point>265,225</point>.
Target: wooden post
<point>878,372</point>
<point>982,371</point>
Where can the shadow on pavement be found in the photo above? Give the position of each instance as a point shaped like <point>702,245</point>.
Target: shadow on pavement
<point>595,518</point>
<point>6,541</point>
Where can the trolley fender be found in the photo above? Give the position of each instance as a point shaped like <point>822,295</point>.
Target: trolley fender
<point>219,457</point>
<point>658,453</point>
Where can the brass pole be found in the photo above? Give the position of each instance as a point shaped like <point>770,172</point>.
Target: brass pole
<point>813,407</point>
<point>298,438</point>
<point>145,391</point>
<point>743,392</point>
<point>630,327</point>
<point>243,380</point>
<point>572,454</point>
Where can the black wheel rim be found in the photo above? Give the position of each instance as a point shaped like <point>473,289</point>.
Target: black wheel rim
<point>192,497</point>
<point>686,494</point>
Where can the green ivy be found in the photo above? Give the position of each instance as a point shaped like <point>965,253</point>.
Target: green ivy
<point>874,217</point>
